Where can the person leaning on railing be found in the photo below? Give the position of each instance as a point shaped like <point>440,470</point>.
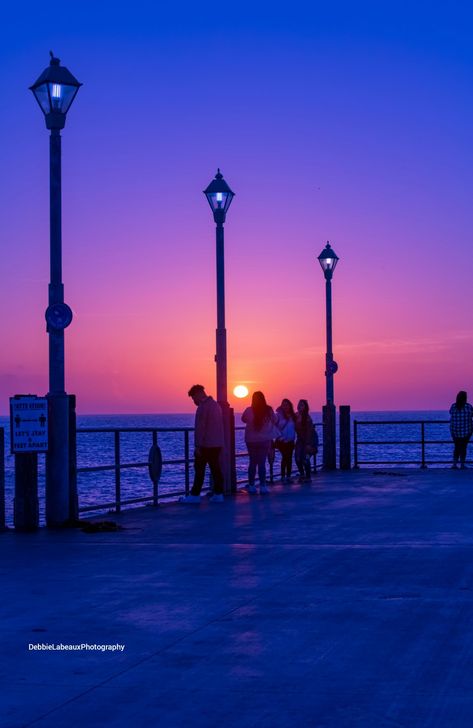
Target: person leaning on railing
<point>461,427</point>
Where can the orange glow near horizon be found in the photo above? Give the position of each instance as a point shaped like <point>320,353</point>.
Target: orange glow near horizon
<point>116,362</point>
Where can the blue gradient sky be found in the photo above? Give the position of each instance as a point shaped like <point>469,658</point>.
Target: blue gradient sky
<point>350,123</point>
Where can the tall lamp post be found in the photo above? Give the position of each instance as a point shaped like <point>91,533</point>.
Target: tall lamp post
<point>328,260</point>
<point>55,91</point>
<point>220,196</point>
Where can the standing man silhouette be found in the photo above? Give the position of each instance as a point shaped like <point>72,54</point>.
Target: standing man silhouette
<point>208,442</point>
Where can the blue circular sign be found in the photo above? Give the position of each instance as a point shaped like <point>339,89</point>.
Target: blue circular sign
<point>332,367</point>
<point>58,316</point>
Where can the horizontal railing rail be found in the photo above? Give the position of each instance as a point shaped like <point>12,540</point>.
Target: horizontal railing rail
<point>118,466</point>
<point>423,461</point>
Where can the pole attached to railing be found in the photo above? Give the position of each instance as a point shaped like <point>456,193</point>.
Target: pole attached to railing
<point>117,472</point>
<point>155,481</point>
<point>73,494</point>
<point>330,437</point>
<point>187,459</point>
<point>422,429</point>
<point>355,444</point>
<point>345,438</point>
<point>2,479</point>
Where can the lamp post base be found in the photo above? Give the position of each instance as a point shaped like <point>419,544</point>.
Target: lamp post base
<point>57,462</point>
<point>330,437</point>
<point>228,452</point>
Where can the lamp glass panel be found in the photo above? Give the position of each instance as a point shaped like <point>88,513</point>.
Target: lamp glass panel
<point>229,199</point>
<point>42,96</point>
<point>62,96</point>
<point>328,263</point>
<point>218,200</point>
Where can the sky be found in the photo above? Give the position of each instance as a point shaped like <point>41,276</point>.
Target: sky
<point>347,121</point>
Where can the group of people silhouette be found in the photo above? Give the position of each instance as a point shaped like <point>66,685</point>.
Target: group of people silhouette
<point>290,431</point>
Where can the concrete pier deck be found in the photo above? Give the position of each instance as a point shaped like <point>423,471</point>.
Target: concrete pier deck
<point>347,603</point>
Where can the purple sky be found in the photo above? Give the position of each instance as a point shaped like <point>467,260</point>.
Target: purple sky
<point>350,124</point>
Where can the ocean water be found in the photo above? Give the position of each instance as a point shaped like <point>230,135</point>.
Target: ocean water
<point>97,449</point>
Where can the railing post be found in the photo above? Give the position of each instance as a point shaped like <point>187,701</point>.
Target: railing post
<point>355,445</point>
<point>345,438</point>
<point>233,474</point>
<point>117,472</point>
<point>155,482</point>
<point>25,503</point>
<point>422,429</point>
<point>2,479</point>
<point>187,459</point>
<point>73,494</point>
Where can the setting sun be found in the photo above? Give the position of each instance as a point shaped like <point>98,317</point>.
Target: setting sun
<point>240,391</point>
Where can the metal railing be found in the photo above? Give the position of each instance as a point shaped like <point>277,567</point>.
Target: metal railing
<point>421,443</point>
<point>118,466</point>
<point>2,479</point>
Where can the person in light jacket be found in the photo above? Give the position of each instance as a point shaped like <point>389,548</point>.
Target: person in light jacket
<point>208,441</point>
<point>260,423</point>
<point>285,423</point>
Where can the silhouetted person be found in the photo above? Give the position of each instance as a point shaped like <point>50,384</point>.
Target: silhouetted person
<point>208,441</point>
<point>461,427</point>
<point>286,424</point>
<point>307,441</point>
<point>260,422</point>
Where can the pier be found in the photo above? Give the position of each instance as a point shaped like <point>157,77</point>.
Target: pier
<point>346,603</point>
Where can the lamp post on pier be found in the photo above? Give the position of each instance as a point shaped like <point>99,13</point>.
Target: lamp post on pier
<point>55,91</point>
<point>220,196</point>
<point>328,260</point>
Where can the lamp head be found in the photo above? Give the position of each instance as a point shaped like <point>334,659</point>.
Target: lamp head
<point>219,196</point>
<point>55,90</point>
<point>328,259</point>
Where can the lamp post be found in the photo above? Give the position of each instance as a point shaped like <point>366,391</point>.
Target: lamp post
<point>55,91</point>
<point>328,260</point>
<point>220,196</point>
